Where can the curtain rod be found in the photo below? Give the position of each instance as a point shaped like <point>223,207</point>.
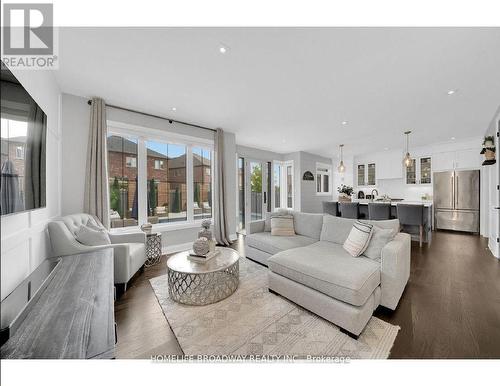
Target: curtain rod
<point>170,120</point>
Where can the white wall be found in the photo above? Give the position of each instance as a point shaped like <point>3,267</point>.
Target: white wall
<point>75,118</point>
<point>490,197</point>
<point>25,242</point>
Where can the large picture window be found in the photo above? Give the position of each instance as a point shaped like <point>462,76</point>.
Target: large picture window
<point>122,175</point>
<point>166,182</point>
<point>157,180</point>
<point>202,182</point>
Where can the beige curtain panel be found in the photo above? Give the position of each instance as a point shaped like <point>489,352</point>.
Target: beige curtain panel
<point>220,207</point>
<point>96,199</point>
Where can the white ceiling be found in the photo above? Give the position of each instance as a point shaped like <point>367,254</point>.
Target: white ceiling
<point>289,89</point>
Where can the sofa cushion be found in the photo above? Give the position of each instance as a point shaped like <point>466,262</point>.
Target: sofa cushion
<point>263,241</point>
<point>308,224</point>
<point>328,268</point>
<point>335,229</point>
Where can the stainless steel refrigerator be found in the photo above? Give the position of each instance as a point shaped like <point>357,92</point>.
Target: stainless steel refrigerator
<point>456,200</point>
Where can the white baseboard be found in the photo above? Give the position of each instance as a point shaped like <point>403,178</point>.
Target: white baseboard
<point>176,248</point>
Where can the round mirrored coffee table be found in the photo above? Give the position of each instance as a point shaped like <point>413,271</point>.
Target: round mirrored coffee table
<point>199,284</point>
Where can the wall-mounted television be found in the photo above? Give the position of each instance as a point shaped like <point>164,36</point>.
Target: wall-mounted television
<point>23,145</point>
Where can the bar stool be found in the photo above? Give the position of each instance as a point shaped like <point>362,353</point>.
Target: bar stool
<point>412,215</point>
<point>330,207</point>
<point>379,211</point>
<point>349,209</point>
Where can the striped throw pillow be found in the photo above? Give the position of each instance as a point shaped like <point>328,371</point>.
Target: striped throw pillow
<point>358,238</point>
<point>282,226</point>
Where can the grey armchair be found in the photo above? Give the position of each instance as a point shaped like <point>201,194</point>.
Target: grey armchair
<point>129,248</point>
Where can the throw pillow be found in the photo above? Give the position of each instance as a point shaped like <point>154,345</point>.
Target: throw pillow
<point>282,226</point>
<point>358,238</point>
<point>380,237</point>
<point>88,236</point>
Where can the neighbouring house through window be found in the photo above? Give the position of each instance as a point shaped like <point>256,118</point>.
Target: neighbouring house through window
<point>131,162</point>
<point>122,174</point>
<point>19,152</point>
<point>158,164</point>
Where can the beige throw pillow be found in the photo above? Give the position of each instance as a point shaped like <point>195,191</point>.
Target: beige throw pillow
<point>282,226</point>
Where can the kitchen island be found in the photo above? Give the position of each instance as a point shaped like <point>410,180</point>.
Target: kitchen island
<point>413,230</point>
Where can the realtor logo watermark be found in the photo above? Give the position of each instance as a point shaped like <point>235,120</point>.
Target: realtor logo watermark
<point>29,37</point>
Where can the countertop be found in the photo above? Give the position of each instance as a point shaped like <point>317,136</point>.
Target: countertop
<point>426,203</point>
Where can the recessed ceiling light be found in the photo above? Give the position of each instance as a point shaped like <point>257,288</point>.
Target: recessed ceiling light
<point>386,148</point>
<point>453,138</point>
<point>223,49</point>
<point>451,92</point>
<point>174,108</point>
<point>344,123</point>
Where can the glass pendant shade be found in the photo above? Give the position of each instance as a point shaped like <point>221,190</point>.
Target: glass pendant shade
<point>341,167</point>
<point>407,159</point>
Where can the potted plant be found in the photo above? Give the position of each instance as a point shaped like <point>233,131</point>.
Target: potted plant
<point>489,147</point>
<point>345,193</point>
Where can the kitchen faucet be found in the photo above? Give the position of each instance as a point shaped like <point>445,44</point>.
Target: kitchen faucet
<point>376,191</point>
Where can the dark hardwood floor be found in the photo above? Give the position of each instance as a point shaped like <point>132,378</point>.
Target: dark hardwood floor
<point>450,308</point>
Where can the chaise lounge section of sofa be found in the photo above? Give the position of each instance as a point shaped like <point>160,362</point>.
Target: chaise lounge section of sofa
<point>313,270</point>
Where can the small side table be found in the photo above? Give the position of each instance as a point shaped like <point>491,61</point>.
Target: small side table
<point>153,249</point>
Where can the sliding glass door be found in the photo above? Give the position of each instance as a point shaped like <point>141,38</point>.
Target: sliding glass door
<point>241,193</point>
<point>256,190</point>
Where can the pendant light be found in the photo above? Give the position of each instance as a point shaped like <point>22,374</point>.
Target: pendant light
<point>341,167</point>
<point>407,160</point>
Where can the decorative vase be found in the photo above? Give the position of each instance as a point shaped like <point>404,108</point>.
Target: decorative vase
<point>146,228</point>
<point>201,246</point>
<point>206,223</point>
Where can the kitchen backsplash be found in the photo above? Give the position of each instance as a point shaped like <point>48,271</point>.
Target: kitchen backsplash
<point>396,188</point>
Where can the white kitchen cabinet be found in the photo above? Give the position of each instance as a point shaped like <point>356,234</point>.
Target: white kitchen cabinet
<point>443,161</point>
<point>389,165</point>
<point>467,159</point>
<point>459,159</point>
<point>366,174</point>
<point>420,171</point>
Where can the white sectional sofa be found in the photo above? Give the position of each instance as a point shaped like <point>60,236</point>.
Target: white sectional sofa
<point>313,270</point>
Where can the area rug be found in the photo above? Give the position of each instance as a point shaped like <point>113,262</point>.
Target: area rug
<point>255,322</point>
